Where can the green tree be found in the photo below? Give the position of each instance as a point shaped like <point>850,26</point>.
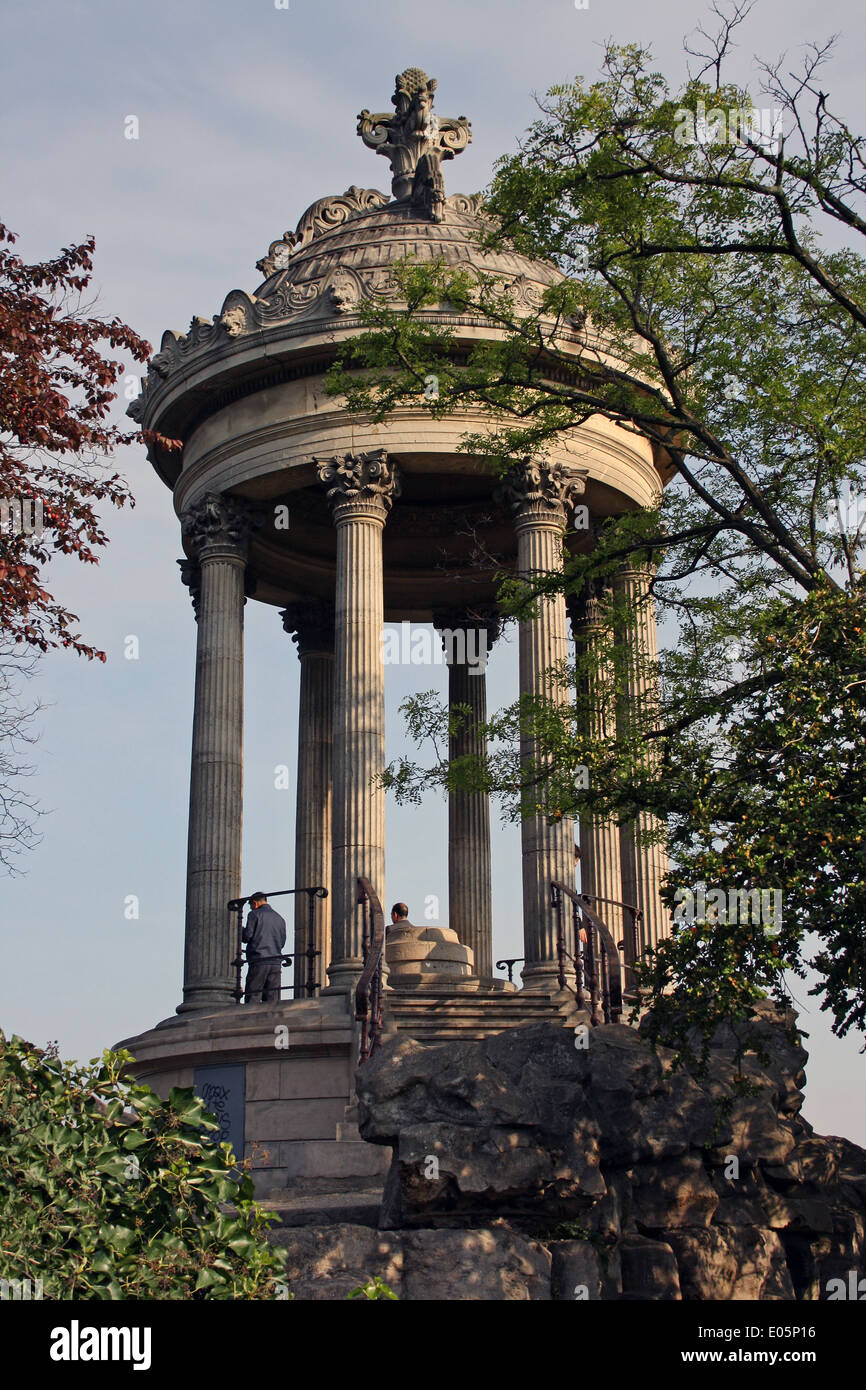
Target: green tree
<point>109,1192</point>
<point>711,298</point>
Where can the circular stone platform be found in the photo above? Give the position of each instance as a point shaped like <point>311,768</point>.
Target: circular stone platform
<point>428,957</point>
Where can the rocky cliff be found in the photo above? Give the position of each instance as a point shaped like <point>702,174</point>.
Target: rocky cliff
<point>550,1162</point>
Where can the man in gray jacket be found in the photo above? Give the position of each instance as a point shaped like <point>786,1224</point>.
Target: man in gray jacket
<point>265,935</point>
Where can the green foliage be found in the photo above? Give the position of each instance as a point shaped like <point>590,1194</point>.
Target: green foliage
<point>570,1230</point>
<point>374,1288</point>
<point>781,804</point>
<point>109,1192</point>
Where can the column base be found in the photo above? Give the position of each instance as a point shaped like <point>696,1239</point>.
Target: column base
<point>543,978</point>
<point>207,1000</point>
<point>343,976</point>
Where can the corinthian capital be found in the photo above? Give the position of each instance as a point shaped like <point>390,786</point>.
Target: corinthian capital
<point>470,618</point>
<point>366,482</point>
<point>586,610</point>
<point>219,523</point>
<point>312,623</point>
<point>540,491</point>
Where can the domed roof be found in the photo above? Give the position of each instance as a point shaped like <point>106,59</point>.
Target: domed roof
<point>326,270</point>
<point>344,250</point>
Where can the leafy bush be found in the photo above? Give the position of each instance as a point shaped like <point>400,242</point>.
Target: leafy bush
<point>109,1192</point>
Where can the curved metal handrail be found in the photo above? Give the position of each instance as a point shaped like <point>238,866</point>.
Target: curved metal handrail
<point>611,987</point>
<point>368,991</point>
<point>508,964</point>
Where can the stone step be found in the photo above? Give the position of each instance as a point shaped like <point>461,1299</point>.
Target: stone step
<point>467,1004</point>
<point>429,1017</point>
<point>351,1201</point>
<point>335,1209</point>
<point>332,1158</point>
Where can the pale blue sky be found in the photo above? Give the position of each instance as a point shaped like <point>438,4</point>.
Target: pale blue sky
<point>247,115</point>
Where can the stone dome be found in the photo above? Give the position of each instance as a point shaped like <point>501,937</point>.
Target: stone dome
<point>327,269</point>
<point>343,251</point>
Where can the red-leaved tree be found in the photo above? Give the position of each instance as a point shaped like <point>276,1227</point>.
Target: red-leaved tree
<point>56,392</point>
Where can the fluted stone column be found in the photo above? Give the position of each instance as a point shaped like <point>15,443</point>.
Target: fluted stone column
<point>312,623</point>
<point>470,901</point>
<point>538,496</point>
<point>360,490</point>
<point>217,531</point>
<point>600,864</point>
<point>644,865</point>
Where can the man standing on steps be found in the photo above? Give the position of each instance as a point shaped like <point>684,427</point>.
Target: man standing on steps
<point>265,935</point>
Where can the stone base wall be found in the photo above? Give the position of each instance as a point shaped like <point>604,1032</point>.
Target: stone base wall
<point>282,1078</point>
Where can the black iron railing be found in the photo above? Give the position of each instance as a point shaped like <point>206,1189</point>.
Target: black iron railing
<point>368,991</point>
<point>508,964</point>
<point>237,905</point>
<point>630,945</point>
<point>599,971</point>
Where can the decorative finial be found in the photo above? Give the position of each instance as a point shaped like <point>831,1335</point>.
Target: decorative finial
<point>416,141</point>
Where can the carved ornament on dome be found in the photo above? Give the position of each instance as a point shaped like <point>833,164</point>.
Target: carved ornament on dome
<point>239,314</point>
<point>470,203</point>
<point>380,284</point>
<point>289,300</point>
<point>168,357</point>
<point>339,291</point>
<point>345,292</point>
<point>415,140</point>
<point>526,294</point>
<point>200,333</point>
<point>321,217</point>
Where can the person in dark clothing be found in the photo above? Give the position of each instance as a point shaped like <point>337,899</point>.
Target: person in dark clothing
<point>265,935</point>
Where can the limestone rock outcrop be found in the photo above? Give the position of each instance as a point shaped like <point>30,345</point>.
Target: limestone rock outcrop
<point>493,1264</point>
<point>641,1184</point>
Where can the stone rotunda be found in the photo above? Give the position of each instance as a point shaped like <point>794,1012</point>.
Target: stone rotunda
<point>343,525</point>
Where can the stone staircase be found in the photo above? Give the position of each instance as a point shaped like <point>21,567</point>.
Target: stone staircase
<point>438,1016</point>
